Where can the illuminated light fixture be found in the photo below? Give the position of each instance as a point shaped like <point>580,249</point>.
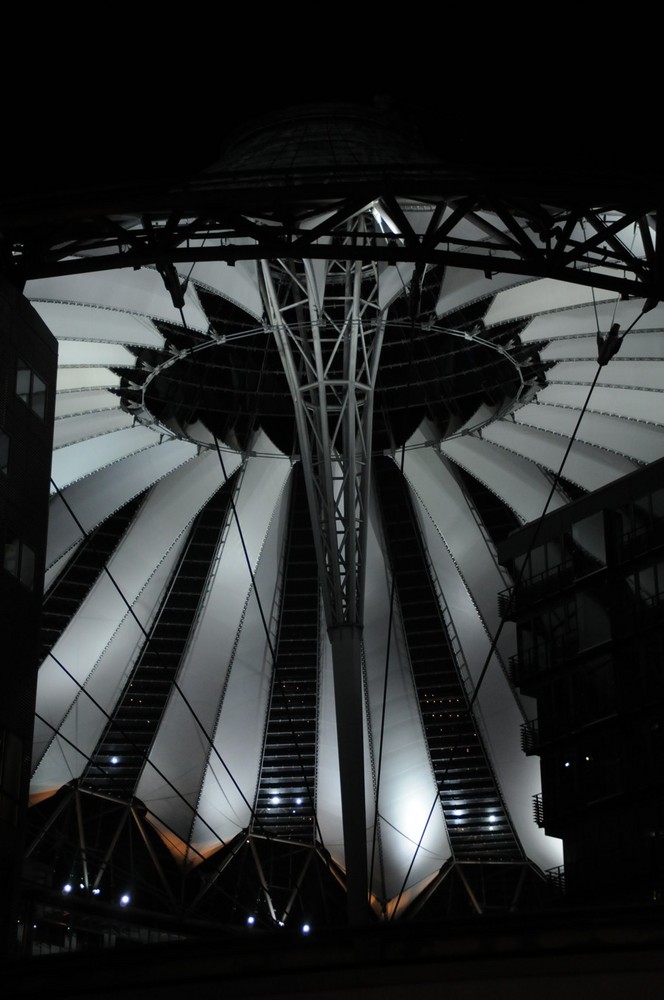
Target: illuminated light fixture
<point>492,818</point>
<point>96,891</point>
<point>275,800</point>
<point>115,760</point>
<point>67,887</point>
<point>305,928</point>
<point>124,900</point>
<point>81,885</point>
<point>298,802</point>
<point>251,920</point>
<point>384,220</point>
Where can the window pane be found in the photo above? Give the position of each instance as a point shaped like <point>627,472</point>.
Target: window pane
<point>23,378</point>
<point>10,556</point>
<point>38,401</point>
<point>31,389</point>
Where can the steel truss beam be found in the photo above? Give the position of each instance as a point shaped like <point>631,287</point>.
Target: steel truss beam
<point>570,237</point>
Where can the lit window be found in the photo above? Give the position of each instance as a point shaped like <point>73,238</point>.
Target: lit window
<point>19,560</point>
<point>31,389</point>
<point>4,452</point>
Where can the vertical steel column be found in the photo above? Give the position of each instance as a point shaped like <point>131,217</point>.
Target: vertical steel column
<point>346,664</point>
<point>330,359</point>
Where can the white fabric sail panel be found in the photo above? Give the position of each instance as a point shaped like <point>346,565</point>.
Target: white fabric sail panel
<point>201,462</point>
<point>86,378</point>
<point>54,571</point>
<point>635,346</point>
<point>635,404</point>
<point>619,373</point>
<point>229,785</point>
<point>640,442</point>
<point>316,277</point>
<point>625,232</point>
<point>479,225</point>
<point>496,709</point>
<point>628,234</point>
<point>82,426</point>
<point>68,404</point>
<point>407,785</point>
<point>71,321</point>
<point>442,498</point>
<point>541,295</point>
<point>584,321</point>
<point>419,218</point>
<point>328,788</point>
<point>161,519</point>
<point>141,292</point>
<point>518,482</point>
<point>99,650</point>
<point>77,354</point>
<point>238,283</point>
<point>393,281</point>
<point>141,565</point>
<point>587,466</point>
<point>75,461</point>
<point>95,498</point>
<point>461,286</point>
<point>206,667</point>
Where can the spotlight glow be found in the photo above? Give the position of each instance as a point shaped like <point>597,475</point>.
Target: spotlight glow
<point>124,899</point>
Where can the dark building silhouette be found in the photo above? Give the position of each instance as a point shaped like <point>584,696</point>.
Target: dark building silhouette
<point>28,361</point>
<point>590,626</point>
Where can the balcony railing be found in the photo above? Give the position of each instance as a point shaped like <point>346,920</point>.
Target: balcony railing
<point>544,656</point>
<point>513,600</point>
<point>556,877</point>
<point>530,736</point>
<point>538,809</point>
<point>644,539</point>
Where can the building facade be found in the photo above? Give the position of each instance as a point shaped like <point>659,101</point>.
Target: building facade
<point>590,623</point>
<point>28,363</point>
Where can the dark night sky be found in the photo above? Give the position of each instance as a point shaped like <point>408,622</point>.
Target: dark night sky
<point>116,100</point>
<point>124,136</point>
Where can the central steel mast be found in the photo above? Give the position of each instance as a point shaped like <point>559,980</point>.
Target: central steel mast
<point>328,325</point>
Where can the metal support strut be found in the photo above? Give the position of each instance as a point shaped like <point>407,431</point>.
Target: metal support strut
<point>328,328</point>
